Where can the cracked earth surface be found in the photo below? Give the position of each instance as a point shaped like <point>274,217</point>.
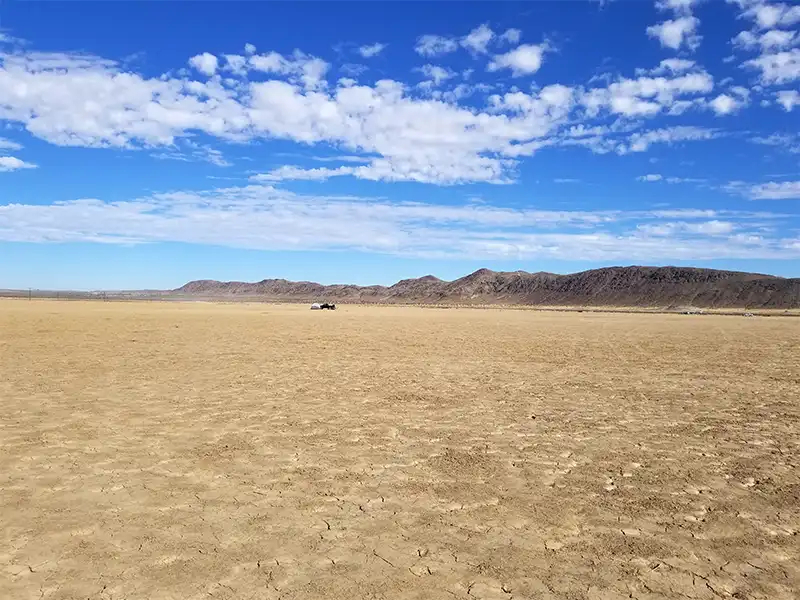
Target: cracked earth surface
<point>195,451</point>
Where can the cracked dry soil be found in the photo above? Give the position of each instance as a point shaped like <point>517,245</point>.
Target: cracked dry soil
<point>188,451</point>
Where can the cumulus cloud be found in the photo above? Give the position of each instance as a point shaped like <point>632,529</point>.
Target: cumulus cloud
<point>511,36</point>
<point>767,15</point>
<point>677,33</point>
<point>522,60</point>
<point>309,70</point>
<point>12,163</point>
<point>788,99</point>
<point>669,66</point>
<point>777,68</point>
<point>205,63</point>
<point>725,104</point>
<point>371,50</point>
<point>435,45</point>
<point>262,217</point>
<point>650,177</point>
<point>436,74</point>
<point>412,133</point>
<point>771,40</point>
<point>478,39</point>
<point>679,6</point>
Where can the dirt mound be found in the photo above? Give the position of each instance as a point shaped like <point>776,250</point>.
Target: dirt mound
<point>611,286</point>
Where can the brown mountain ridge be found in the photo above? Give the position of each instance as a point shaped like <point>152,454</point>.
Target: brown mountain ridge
<point>634,286</point>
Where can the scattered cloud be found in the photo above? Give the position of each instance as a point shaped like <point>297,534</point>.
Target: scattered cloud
<point>772,190</point>
<point>191,152</point>
<point>669,66</point>
<point>12,163</point>
<point>679,6</point>
<point>511,36</point>
<point>371,50</point>
<point>522,60</point>
<point>205,63</point>
<point>428,132</point>
<point>777,68</point>
<point>674,180</point>
<point>478,39</point>
<point>650,177</point>
<point>677,33</point>
<point>725,104</point>
<point>788,99</point>
<point>263,217</point>
<point>6,144</point>
<point>786,141</point>
<point>566,180</point>
<point>704,228</point>
<point>435,74</point>
<point>435,45</point>
<point>771,40</point>
<point>768,15</point>
<point>786,190</point>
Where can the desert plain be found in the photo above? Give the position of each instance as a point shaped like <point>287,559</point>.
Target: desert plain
<point>254,451</point>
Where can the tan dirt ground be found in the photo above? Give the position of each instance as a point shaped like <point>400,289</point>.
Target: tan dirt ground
<point>187,451</point>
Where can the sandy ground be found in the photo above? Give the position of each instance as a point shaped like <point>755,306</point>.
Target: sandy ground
<point>195,451</point>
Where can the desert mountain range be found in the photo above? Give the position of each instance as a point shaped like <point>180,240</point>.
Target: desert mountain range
<point>612,286</point>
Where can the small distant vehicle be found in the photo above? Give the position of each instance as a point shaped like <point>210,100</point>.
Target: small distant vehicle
<point>323,306</point>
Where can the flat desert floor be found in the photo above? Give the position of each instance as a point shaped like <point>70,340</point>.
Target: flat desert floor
<point>188,451</point>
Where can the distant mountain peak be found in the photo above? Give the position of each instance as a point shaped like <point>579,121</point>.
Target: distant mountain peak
<point>608,286</point>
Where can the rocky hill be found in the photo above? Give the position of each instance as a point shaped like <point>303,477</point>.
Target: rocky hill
<point>612,286</point>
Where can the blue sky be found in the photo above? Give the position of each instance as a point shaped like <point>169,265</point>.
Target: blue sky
<point>145,144</point>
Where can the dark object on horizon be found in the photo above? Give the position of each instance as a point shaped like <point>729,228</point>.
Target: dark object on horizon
<point>325,305</point>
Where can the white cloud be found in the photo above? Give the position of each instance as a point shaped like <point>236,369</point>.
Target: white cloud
<point>511,36</point>
<point>236,63</point>
<point>670,66</point>
<point>640,142</point>
<point>645,96</point>
<point>292,173</point>
<point>725,104</point>
<point>191,152</point>
<point>249,49</point>
<point>371,50</point>
<point>650,177</point>
<point>436,74</point>
<point>676,33</point>
<point>522,60</point>
<point>262,217</point>
<point>788,99</point>
<point>205,63</point>
<point>410,133</point>
<point>308,70</point>
<point>780,67</point>
<point>679,6</point>
<point>478,39</point>
<point>771,40</point>
<point>785,141</point>
<point>787,190</point>
<point>12,163</point>
<point>704,228</point>
<point>674,180</point>
<point>9,145</point>
<point>435,45</point>
<point>768,15</point>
